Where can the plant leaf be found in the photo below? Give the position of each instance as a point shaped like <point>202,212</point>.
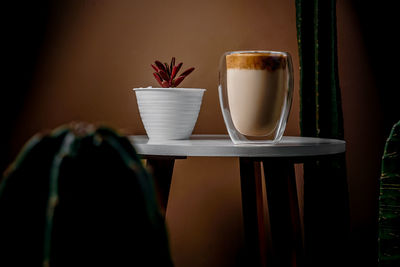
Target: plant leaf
<point>158,78</point>
<point>172,65</point>
<point>179,67</point>
<point>165,84</point>
<point>187,72</point>
<point>167,67</point>
<point>174,72</point>
<point>160,65</point>
<point>164,75</point>
<point>154,67</point>
<point>178,80</point>
<point>158,74</point>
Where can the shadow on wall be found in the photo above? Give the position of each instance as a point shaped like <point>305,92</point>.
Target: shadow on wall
<point>376,25</point>
<point>25,31</point>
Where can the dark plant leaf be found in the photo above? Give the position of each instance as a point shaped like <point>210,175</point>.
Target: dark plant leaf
<point>158,74</point>
<point>178,80</point>
<point>164,75</point>
<point>187,72</point>
<point>154,67</point>
<point>165,84</point>
<point>158,78</point>
<point>178,67</point>
<point>160,65</point>
<point>167,67</point>
<point>174,72</point>
<point>172,65</point>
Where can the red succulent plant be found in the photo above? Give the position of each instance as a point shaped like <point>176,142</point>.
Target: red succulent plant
<point>165,74</point>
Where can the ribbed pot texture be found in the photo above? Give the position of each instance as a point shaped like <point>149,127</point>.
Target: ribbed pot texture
<point>169,113</point>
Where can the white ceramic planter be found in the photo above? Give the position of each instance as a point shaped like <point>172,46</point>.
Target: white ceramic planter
<point>169,113</point>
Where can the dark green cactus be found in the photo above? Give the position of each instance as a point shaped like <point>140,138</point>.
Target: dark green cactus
<point>80,196</point>
<point>326,210</point>
<point>321,108</point>
<point>389,202</point>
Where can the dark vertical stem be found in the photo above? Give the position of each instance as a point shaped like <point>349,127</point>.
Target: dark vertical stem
<point>317,69</point>
<point>326,211</point>
<point>305,39</point>
<point>162,169</point>
<point>320,110</point>
<point>284,213</point>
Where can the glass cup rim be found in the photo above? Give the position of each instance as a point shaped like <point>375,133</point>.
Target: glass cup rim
<point>257,52</point>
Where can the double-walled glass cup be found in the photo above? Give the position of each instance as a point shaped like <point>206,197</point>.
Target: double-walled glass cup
<point>255,93</point>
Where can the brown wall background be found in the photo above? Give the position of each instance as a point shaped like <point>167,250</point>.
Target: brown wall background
<point>95,51</point>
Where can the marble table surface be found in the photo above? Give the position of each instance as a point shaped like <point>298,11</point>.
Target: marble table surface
<point>222,146</point>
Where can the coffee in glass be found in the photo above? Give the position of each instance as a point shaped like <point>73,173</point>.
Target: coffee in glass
<point>255,92</point>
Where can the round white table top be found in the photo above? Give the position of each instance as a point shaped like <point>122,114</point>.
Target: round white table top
<point>222,146</point>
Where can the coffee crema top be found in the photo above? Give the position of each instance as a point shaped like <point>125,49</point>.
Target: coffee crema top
<point>258,61</point>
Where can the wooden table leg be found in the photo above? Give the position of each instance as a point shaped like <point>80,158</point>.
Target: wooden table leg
<point>251,186</point>
<point>284,213</point>
<point>161,169</point>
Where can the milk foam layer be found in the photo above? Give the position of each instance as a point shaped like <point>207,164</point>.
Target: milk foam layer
<point>256,93</point>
